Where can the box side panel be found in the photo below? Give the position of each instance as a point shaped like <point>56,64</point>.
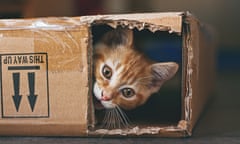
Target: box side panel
<point>206,71</point>
<point>44,81</point>
<point>199,73</point>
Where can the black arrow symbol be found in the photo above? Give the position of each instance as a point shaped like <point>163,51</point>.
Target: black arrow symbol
<point>32,98</point>
<point>16,97</point>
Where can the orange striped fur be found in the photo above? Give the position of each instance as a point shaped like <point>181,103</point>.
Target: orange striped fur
<point>129,69</point>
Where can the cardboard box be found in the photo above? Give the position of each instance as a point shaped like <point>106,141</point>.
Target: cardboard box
<point>47,75</point>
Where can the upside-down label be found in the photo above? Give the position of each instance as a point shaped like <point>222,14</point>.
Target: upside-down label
<point>24,85</point>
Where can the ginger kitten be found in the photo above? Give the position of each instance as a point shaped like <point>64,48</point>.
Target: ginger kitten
<point>125,77</point>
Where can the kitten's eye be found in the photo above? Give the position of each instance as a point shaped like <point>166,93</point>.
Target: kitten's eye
<point>128,92</point>
<point>107,72</point>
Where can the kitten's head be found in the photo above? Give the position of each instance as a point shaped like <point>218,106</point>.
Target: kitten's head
<point>124,76</point>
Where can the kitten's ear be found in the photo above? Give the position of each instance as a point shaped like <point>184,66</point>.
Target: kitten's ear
<point>127,36</point>
<point>162,72</point>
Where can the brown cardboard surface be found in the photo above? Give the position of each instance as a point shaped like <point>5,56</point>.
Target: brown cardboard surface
<point>62,74</point>
<point>199,63</point>
<point>61,82</point>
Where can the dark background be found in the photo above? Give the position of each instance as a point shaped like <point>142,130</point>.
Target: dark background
<point>220,120</point>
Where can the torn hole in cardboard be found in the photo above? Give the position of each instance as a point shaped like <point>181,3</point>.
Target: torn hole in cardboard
<point>162,112</point>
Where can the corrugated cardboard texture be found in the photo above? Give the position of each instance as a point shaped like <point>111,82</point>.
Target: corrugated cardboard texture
<point>64,77</point>
<point>171,22</point>
<point>199,62</point>
<point>198,71</point>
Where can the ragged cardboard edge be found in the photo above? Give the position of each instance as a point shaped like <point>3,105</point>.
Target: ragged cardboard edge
<point>133,24</point>
<point>137,131</point>
<point>61,23</point>
<point>171,22</point>
<point>90,113</point>
<point>189,69</point>
<point>193,25</point>
<point>187,77</point>
<point>182,129</point>
<point>190,23</point>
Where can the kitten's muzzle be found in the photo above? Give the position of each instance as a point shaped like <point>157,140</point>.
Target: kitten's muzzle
<point>105,96</point>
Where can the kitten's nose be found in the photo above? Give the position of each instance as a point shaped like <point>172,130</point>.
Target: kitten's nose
<point>106,96</point>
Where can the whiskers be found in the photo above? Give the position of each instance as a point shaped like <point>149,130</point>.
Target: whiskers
<point>115,119</point>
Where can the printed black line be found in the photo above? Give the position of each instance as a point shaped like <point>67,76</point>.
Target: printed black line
<point>23,67</point>
<point>48,99</point>
<point>24,54</point>
<point>1,89</point>
<point>25,116</point>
